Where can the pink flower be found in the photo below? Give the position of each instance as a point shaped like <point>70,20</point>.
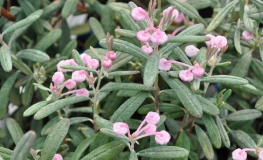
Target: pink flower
<point>143,36</point>
<point>164,65</point>
<point>220,41</point>
<point>246,35</point>
<point>198,71</point>
<point>139,14</point>
<point>186,75</point>
<point>260,154</point>
<point>120,128</point>
<point>93,64</point>
<point>70,84</point>
<point>147,49</point>
<point>152,118</point>
<point>57,157</point>
<point>149,128</point>
<point>239,154</point>
<point>170,9</point>
<point>58,78</point>
<point>191,50</point>
<point>179,18</point>
<point>106,62</point>
<point>85,58</point>
<point>162,137</point>
<point>82,92</point>
<point>65,62</point>
<point>79,76</point>
<point>159,37</point>
<point>211,41</point>
<point>112,55</point>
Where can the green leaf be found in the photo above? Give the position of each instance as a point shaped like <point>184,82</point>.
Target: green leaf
<point>121,60</point>
<point>129,107</point>
<point>201,4</point>
<point>204,142</point>
<point>182,56</point>
<point>80,29</point>
<point>220,16</point>
<point>163,107</point>
<point>133,155</point>
<point>76,136</point>
<point>5,58</point>
<point>207,106</point>
<point>33,55</point>
<point>225,79</point>
<point>97,28</point>
<point>54,139</point>
<point>5,153</point>
<point>27,21</point>
<point>48,40</point>
<point>109,150</point>
<point>123,73</point>
<point>29,92</point>
<point>161,152</point>
<point>126,47</point>
<point>82,147</point>
<point>129,22</point>
<point>243,139</point>
<point>23,146</point>
<point>187,39</point>
<point>77,58</point>
<point>242,66</point>
<point>261,50</point>
<point>76,120</point>
<point>49,125</point>
<point>244,115</point>
<point>259,104</point>
<point>151,70</point>
<point>237,40</point>
<point>183,141</point>
<point>4,93</point>
<point>53,107</point>
<point>21,66</point>
<point>103,123</point>
<point>14,130</point>
<point>185,95</point>
<point>212,130</point>
<point>17,33</point>
<point>109,132</point>
<point>52,7</point>
<point>248,22</point>
<point>69,48</point>
<point>125,33</point>
<point>222,132</point>
<point>69,8</point>
<point>186,8</point>
<point>34,108</point>
<point>125,86</point>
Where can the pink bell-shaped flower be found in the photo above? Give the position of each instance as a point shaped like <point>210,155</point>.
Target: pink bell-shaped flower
<point>112,55</point>
<point>170,9</point>
<point>143,36</point>
<point>191,50</point>
<point>85,58</point>
<point>164,65</point>
<point>139,14</point>
<point>93,64</point>
<point>106,62</point>
<point>179,18</point>
<point>239,154</point>
<point>79,76</point>
<point>246,35</point>
<point>58,78</point>
<point>120,128</point>
<point>162,137</point>
<point>70,84</point>
<point>150,128</point>
<point>57,157</point>
<point>82,92</point>
<point>147,49</point>
<point>159,37</point>
<point>198,71</point>
<point>210,43</point>
<point>260,154</point>
<point>186,75</point>
<point>152,118</point>
<point>220,41</point>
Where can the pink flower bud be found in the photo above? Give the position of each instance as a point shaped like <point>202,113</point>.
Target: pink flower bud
<point>66,62</point>
<point>164,65</point>
<point>210,43</point>
<point>70,84</point>
<point>246,35</point>
<point>139,14</point>
<point>106,62</point>
<point>162,137</point>
<point>220,41</point>
<point>198,71</point>
<point>170,9</point>
<point>150,128</point>
<point>143,36</point>
<point>152,118</point>
<point>57,157</point>
<point>93,64</point>
<point>120,128</point>
<point>85,58</point>
<point>179,18</point>
<point>260,154</point>
<point>191,51</point>
<point>186,75</point>
<point>82,92</point>
<point>239,154</point>
<point>159,37</point>
<point>112,55</point>
<point>58,78</point>
<point>79,76</point>
<point>147,49</point>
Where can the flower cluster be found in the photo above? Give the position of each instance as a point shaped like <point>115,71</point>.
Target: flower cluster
<point>241,154</point>
<point>151,119</point>
<point>108,58</point>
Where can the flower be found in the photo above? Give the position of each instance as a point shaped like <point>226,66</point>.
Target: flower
<point>175,13</point>
<point>66,62</point>
<point>246,35</point>
<point>112,55</point>
<point>191,50</point>
<point>85,58</point>
<point>143,36</point>
<point>79,76</point>
<point>162,137</point>
<point>179,18</point>
<point>198,71</point>
<point>57,157</point>
<point>152,118</point>
<point>186,75</point>
<point>82,92</point>
<point>260,154</point>
<point>58,78</point>
<point>164,65</point>
<point>120,128</point>
<point>106,62</point>
<point>138,14</point>
<point>147,49</point>
<point>70,84</point>
<point>159,37</point>
<point>239,154</point>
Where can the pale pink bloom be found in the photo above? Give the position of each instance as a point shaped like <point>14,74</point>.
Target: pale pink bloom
<point>143,36</point>
<point>58,78</point>
<point>246,35</point>
<point>82,92</point>
<point>164,65</point>
<point>198,71</point>
<point>147,49</point>
<point>186,75</point>
<point>79,76</point>
<point>220,41</point>
<point>260,154</point>
<point>57,157</point>
<point>70,84</point>
<point>162,137</point>
<point>120,128</point>
<point>152,118</point>
<point>170,9</point>
<point>85,58</point>
<point>191,50</point>
<point>106,62</point>
<point>93,64</point>
<point>159,37</point>
<point>139,14</point>
<point>239,154</point>
<point>149,128</point>
<point>179,18</point>
<point>112,55</point>
<point>211,41</point>
<point>66,62</point>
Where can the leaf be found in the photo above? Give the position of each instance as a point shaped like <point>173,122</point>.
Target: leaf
<point>125,86</point>
<point>129,107</point>
<point>237,40</point>
<point>121,61</point>
<point>100,139</point>
<point>207,106</point>
<point>109,150</point>
<point>76,136</point>
<point>76,120</point>
<point>222,132</point>
<point>82,147</point>
<point>244,115</point>
<point>77,58</point>
<point>201,4</point>
<point>248,22</point>
<point>186,8</point>
<point>126,47</point>
<point>133,155</point>
<point>52,7</point>
<point>161,152</point>
<point>4,93</point>
<point>183,141</point>
<point>123,73</point>
<point>125,33</point>
<point>21,66</point>
<point>28,93</point>
<point>33,55</point>
<point>69,8</point>
<point>182,56</point>
<point>69,48</point>
<point>151,70</point>
<point>5,58</point>
<point>23,146</point>
<point>34,108</point>
<point>109,132</point>
<point>48,40</point>
<point>212,130</point>
<point>52,107</point>
<point>103,123</point>
<point>187,39</point>
<point>259,104</point>
<point>187,98</point>
<point>97,28</point>
<point>49,125</point>
<point>129,22</point>
<point>220,16</point>
<point>243,139</point>
<point>204,142</point>
<point>225,79</point>
<point>163,107</point>
<point>242,66</point>
<point>54,139</point>
<point>14,130</point>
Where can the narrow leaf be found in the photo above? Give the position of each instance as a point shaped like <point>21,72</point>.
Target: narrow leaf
<point>5,58</point>
<point>34,108</point>
<point>29,92</point>
<point>97,28</point>
<point>207,106</point>
<point>243,139</point>
<point>125,86</point>
<point>82,147</point>
<point>225,79</point>
<point>151,70</point>
<point>222,132</point>
<point>258,106</point>
<point>188,39</point>
<point>48,40</point>
<point>33,55</point>
<point>244,115</point>
<point>69,8</point>
<point>14,130</point>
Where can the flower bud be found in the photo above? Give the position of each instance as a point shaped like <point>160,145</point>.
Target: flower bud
<point>58,78</point>
<point>93,64</point>
<point>159,37</point>
<point>246,35</point>
<point>147,49</point>
<point>239,154</point>
<point>198,71</point>
<point>150,128</point>
<point>171,9</point>
<point>152,118</point>
<point>112,55</point>
<point>179,18</point>
<point>65,62</point>
<point>162,137</point>
<point>57,157</point>
<point>143,36</point>
<point>210,43</point>
<point>120,128</point>
<point>70,84</point>
<point>164,65</point>
<point>220,41</point>
<point>106,62</point>
<point>79,76</point>
<point>186,75</point>
<point>191,50</point>
<point>82,92</point>
<point>138,14</point>
<point>85,58</point>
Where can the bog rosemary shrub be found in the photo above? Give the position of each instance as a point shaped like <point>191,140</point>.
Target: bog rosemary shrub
<point>165,83</point>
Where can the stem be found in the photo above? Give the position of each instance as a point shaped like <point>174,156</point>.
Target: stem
<point>182,126</point>
<point>191,127</point>
<point>209,74</point>
<point>156,93</point>
<point>159,8</point>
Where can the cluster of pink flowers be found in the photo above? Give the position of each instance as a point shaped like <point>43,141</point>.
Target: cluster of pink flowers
<point>151,119</point>
<point>57,157</point>
<point>241,154</point>
<point>108,58</point>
